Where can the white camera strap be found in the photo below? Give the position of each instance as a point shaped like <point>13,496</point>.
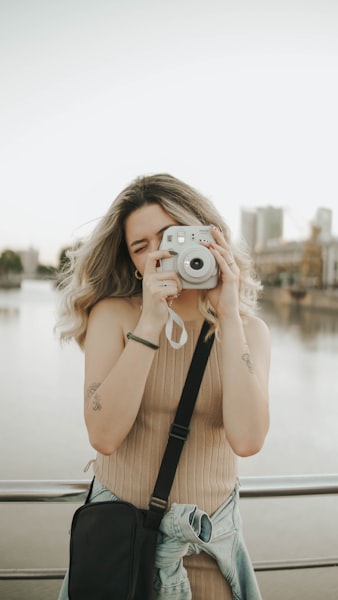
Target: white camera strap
<point>169,329</point>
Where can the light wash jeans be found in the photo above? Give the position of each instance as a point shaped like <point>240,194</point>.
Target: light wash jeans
<point>185,530</point>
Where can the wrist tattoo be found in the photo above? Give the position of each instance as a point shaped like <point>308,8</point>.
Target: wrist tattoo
<point>93,396</point>
<point>247,358</point>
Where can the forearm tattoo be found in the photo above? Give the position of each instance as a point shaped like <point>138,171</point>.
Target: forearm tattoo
<point>93,396</point>
<point>247,358</point>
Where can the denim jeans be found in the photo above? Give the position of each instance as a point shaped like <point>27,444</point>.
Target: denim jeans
<point>185,530</point>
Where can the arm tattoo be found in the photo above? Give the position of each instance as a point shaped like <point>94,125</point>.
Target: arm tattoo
<point>247,358</point>
<point>95,398</point>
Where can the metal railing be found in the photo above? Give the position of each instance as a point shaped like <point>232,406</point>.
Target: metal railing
<point>250,487</point>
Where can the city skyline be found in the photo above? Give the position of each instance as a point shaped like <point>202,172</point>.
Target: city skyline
<point>245,227</point>
<point>238,100</point>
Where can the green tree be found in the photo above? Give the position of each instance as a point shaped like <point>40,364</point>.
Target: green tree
<point>10,262</point>
<point>45,270</point>
<point>63,259</point>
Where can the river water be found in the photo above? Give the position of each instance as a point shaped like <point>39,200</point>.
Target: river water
<point>42,433</point>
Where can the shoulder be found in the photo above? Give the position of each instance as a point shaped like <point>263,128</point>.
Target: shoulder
<point>256,330</point>
<point>118,313</point>
<point>116,306</point>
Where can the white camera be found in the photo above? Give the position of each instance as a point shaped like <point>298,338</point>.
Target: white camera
<point>194,263</point>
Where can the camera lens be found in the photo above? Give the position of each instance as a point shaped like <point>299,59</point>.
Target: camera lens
<point>196,264</point>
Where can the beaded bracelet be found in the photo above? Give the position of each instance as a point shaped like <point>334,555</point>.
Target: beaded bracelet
<point>131,336</point>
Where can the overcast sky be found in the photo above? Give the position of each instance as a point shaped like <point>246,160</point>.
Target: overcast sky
<point>238,98</point>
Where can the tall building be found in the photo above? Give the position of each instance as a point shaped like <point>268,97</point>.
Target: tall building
<point>261,226</point>
<point>323,220</point>
<point>30,260</point>
<point>249,226</point>
<point>269,225</point>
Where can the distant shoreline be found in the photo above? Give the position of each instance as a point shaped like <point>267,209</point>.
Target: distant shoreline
<point>325,299</point>
<point>14,281</point>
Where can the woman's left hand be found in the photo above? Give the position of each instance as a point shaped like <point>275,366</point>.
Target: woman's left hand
<point>225,296</point>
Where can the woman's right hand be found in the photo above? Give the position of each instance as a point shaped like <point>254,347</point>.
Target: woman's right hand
<point>159,287</point>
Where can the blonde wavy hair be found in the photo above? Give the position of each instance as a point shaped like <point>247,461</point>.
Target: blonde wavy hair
<point>101,267</point>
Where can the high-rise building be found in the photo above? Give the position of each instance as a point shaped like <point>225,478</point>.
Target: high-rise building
<point>30,260</point>
<point>323,220</point>
<point>248,226</point>
<point>269,226</point>
<point>261,226</point>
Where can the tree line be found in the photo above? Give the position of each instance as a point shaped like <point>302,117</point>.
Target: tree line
<point>11,263</point>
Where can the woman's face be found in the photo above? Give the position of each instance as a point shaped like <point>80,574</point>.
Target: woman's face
<point>143,232</point>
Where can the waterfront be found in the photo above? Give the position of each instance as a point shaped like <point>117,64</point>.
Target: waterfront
<point>42,434</point>
<point>42,430</point>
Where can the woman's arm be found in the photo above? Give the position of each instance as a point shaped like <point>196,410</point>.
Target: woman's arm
<point>245,371</point>
<point>246,358</point>
<point>115,371</point>
<point>115,374</point>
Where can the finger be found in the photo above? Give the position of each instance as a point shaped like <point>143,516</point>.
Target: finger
<point>153,258</point>
<point>221,245</point>
<point>170,299</point>
<point>170,282</point>
<point>227,255</point>
<point>169,276</point>
<point>218,236</point>
<point>224,257</point>
<point>169,288</point>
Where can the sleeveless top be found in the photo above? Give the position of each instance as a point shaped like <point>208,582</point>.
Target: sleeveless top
<point>207,470</point>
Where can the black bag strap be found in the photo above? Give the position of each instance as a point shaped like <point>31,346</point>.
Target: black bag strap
<point>179,430</point>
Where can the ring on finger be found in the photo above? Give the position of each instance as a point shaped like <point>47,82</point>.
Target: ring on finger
<point>232,262</point>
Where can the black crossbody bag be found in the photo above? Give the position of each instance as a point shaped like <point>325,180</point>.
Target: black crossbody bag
<point>113,544</point>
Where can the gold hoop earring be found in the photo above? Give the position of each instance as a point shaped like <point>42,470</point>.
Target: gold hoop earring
<point>138,275</point>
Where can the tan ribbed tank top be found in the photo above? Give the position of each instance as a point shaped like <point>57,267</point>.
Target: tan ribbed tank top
<point>207,470</point>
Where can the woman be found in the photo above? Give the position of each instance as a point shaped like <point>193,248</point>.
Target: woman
<point>132,386</point>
